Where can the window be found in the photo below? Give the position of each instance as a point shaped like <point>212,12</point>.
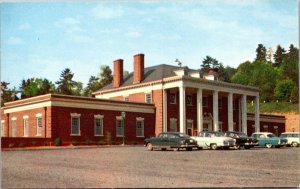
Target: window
<point>2,128</point>
<point>189,100</point>
<point>173,98</point>
<point>98,123</point>
<point>14,127</point>
<point>173,124</point>
<point>265,128</point>
<point>39,126</point>
<point>75,124</point>
<point>119,130</point>
<point>25,126</point>
<point>148,98</point>
<point>126,98</point>
<point>204,102</point>
<point>139,127</point>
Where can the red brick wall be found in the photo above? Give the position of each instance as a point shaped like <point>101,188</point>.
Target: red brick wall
<point>137,97</point>
<point>62,124</point>
<point>117,98</point>
<point>157,98</point>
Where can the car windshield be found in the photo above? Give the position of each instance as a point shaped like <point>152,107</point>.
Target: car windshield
<point>271,135</point>
<point>242,135</point>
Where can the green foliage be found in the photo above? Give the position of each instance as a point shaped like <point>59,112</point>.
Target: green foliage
<point>65,82</point>
<point>36,86</point>
<point>295,95</point>
<point>209,62</point>
<point>283,90</point>
<point>279,107</point>
<point>57,141</point>
<point>7,95</point>
<point>87,142</point>
<point>279,55</point>
<point>100,142</point>
<point>261,53</point>
<point>226,73</point>
<point>108,138</point>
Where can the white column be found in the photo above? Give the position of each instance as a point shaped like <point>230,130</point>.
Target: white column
<point>182,108</point>
<point>199,111</point>
<point>230,112</point>
<point>215,111</point>
<point>244,113</point>
<point>257,123</point>
<point>165,105</point>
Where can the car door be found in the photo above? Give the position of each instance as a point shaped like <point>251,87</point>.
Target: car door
<point>174,140</point>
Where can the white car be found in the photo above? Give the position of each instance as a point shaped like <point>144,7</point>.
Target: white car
<point>213,140</point>
<point>293,138</point>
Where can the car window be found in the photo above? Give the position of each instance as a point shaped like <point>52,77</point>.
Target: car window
<point>173,136</point>
<point>163,135</point>
<point>271,135</point>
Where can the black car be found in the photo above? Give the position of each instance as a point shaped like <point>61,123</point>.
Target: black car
<point>241,139</point>
<point>171,140</point>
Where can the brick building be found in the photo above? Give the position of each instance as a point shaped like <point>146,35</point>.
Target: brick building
<point>187,100</point>
<point>154,99</point>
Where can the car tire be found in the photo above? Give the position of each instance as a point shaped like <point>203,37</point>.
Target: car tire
<point>247,147</point>
<point>199,148</point>
<point>269,145</point>
<point>163,149</point>
<point>213,146</point>
<point>149,147</point>
<point>189,149</point>
<point>294,144</point>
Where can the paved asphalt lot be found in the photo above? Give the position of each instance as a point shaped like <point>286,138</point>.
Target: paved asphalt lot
<point>137,167</point>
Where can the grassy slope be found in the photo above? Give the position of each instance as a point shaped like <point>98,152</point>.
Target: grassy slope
<point>280,107</point>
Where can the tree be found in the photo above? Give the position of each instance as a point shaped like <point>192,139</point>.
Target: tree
<point>295,95</point>
<point>7,95</point>
<point>284,90</point>
<point>225,74</point>
<point>279,55</point>
<point>78,89</point>
<point>209,62</point>
<point>65,83</point>
<point>93,85</point>
<point>261,53</point>
<point>293,53</point>
<point>105,75</point>
<point>36,86</point>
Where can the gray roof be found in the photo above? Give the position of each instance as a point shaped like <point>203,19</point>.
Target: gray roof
<point>153,73</point>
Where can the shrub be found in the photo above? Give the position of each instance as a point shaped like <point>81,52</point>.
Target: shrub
<point>21,145</point>
<point>57,141</point>
<point>74,143</point>
<point>108,138</point>
<point>11,145</point>
<point>100,142</point>
<point>33,143</point>
<point>87,142</point>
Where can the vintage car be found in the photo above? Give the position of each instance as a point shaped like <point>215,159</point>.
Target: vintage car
<point>170,140</point>
<point>241,139</point>
<point>293,138</point>
<point>213,140</point>
<point>268,139</point>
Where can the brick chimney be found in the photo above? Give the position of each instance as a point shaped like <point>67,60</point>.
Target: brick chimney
<point>118,73</point>
<point>138,72</point>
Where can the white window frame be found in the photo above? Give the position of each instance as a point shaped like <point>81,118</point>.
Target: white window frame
<point>172,120</point>
<point>13,127</point>
<point>2,128</point>
<point>146,99</point>
<point>119,120</point>
<point>175,98</point>
<point>75,116</point>
<point>39,126</point>
<point>140,119</point>
<point>25,126</point>
<point>98,117</point>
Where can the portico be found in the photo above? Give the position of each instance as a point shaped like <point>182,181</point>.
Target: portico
<point>218,105</point>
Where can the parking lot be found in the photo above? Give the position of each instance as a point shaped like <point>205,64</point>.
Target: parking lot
<point>136,167</point>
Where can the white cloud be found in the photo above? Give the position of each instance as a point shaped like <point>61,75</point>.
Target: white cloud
<point>68,21</point>
<point>24,26</point>
<point>107,12</point>
<point>14,41</point>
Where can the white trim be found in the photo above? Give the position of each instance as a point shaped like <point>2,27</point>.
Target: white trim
<point>140,119</point>
<point>149,93</point>
<point>27,107</point>
<point>38,115</point>
<point>39,129</point>
<point>25,117</point>
<point>98,116</point>
<point>13,118</point>
<point>75,115</point>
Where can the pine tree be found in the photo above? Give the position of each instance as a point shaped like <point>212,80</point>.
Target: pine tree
<point>279,55</point>
<point>261,53</point>
<point>65,83</point>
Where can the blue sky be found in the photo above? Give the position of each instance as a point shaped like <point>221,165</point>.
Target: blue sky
<point>41,39</point>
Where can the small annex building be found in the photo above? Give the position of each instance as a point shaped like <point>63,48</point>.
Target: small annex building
<point>148,101</point>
